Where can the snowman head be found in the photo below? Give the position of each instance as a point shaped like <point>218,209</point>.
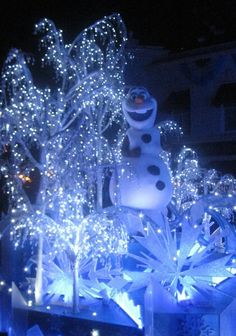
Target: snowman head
<point>140,108</point>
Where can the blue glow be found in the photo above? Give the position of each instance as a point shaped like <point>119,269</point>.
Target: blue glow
<point>56,180</point>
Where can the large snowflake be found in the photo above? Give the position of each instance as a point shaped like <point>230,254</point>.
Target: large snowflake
<point>177,259</point>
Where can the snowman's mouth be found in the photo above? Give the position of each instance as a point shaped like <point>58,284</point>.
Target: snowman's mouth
<point>140,116</point>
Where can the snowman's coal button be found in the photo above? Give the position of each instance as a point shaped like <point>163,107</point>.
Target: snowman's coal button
<point>146,138</point>
<point>160,185</point>
<point>154,170</point>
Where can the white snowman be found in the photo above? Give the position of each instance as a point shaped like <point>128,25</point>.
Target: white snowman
<point>143,178</point>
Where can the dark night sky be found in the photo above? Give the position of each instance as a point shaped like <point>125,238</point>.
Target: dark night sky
<point>176,24</point>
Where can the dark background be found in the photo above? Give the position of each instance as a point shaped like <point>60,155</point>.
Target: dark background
<point>177,25</point>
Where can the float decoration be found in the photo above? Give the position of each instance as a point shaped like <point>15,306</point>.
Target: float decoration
<point>170,232</point>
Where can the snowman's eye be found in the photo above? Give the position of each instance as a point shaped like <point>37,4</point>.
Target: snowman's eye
<point>143,95</point>
<point>133,96</point>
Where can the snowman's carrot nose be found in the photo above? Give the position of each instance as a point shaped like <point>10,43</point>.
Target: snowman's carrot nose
<point>138,100</point>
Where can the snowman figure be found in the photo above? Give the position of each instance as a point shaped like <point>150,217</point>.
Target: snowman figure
<point>143,178</point>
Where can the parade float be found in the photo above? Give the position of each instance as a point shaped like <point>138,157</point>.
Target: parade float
<point>105,232</point>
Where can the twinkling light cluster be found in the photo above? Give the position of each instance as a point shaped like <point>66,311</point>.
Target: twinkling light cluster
<point>57,154</point>
<point>207,195</point>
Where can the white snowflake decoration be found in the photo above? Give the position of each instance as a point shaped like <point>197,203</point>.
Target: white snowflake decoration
<point>182,265</point>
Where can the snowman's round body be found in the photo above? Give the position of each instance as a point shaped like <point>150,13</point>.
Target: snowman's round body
<point>144,183</point>
<point>143,178</point>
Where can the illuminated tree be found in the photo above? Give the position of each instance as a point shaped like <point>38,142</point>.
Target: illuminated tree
<point>55,137</point>
<point>205,195</point>
<point>56,158</point>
